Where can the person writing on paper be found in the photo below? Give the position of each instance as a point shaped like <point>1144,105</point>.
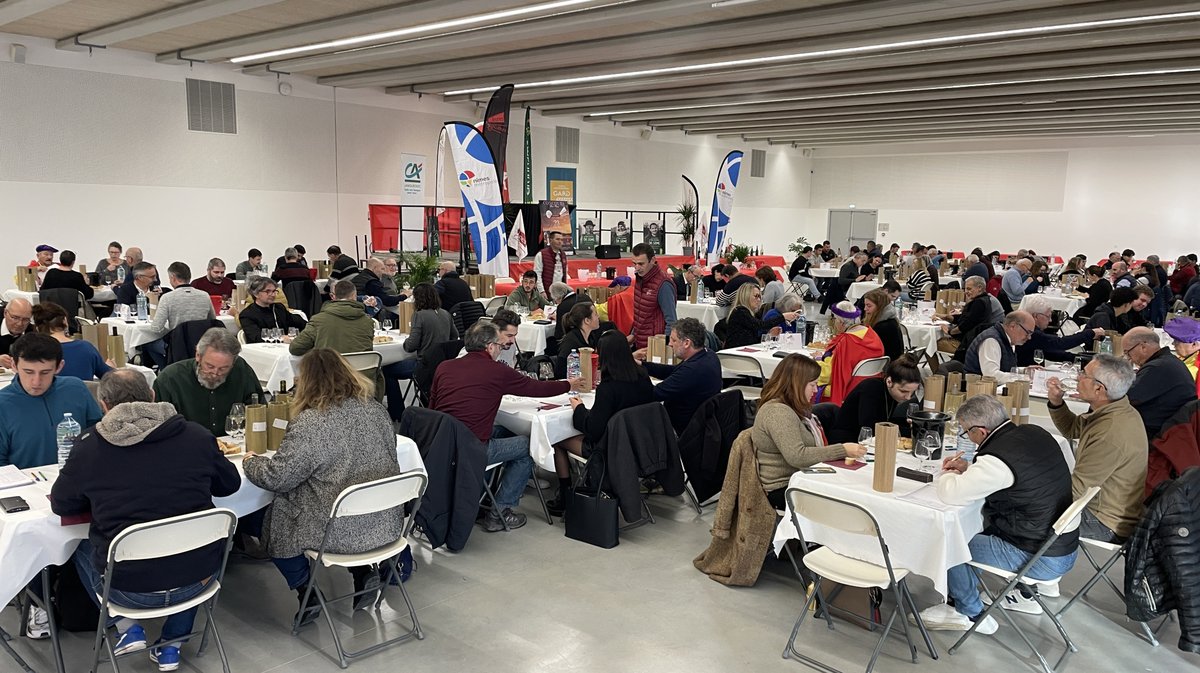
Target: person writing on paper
<point>315,462</point>
<point>880,400</point>
<point>623,385</point>
<point>787,437</point>
<point>32,406</point>
<point>1112,452</point>
<point>1023,480</point>
<point>140,463</point>
<point>993,353</point>
<point>742,327</point>
<point>18,318</point>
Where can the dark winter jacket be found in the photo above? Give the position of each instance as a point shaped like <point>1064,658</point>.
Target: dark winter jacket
<point>455,460</point>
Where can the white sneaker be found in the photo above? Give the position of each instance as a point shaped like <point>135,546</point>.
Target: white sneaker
<point>38,625</point>
<point>1015,601</point>
<point>942,617</point>
<point>1048,589</point>
<point>987,626</point>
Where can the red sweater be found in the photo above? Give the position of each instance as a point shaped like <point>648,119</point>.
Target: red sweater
<point>470,389</point>
<point>222,289</point>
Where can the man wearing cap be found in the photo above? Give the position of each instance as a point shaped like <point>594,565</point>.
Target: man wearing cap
<point>44,261</point>
<point>1186,333</point>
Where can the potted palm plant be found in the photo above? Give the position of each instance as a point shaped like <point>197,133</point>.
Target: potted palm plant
<point>687,213</point>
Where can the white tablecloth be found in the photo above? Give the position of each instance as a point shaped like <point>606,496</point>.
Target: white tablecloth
<point>32,540</point>
<point>102,294</point>
<point>274,364</point>
<point>708,313</point>
<point>137,333</point>
<point>531,337</point>
<point>1057,302</point>
<point>544,427</point>
<point>920,538</point>
<point>320,282</point>
<point>857,290</point>
<point>923,335</point>
<point>817,272</point>
<point>765,357</point>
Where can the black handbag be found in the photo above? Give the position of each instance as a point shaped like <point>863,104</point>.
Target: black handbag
<point>591,514</point>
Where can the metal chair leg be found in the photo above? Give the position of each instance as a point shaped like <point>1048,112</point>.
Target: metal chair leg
<point>487,489</point>
<point>4,638</point>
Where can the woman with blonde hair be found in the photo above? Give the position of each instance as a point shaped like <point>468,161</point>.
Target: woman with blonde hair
<point>742,325</point>
<point>339,436</point>
<point>851,344</point>
<point>787,437</point>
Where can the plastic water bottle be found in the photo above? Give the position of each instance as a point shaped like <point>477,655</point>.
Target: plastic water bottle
<point>963,443</point>
<point>67,432</point>
<point>1106,345</point>
<point>599,270</point>
<point>574,370</point>
<point>143,307</point>
<point>120,274</point>
<point>802,329</point>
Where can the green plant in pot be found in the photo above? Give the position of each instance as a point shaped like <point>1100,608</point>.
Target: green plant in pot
<point>417,269</point>
<point>687,213</point>
<point>798,246</point>
<point>739,253</point>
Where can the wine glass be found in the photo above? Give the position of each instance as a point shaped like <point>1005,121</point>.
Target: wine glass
<point>231,425</point>
<point>546,371</point>
<point>387,324</point>
<point>1039,357</point>
<point>237,411</point>
<point>293,332</point>
<point>865,434</point>
<point>926,449</point>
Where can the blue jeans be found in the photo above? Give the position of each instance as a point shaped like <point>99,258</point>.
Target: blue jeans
<point>809,283</point>
<point>513,451</point>
<point>964,586</point>
<point>157,352</point>
<point>175,626</point>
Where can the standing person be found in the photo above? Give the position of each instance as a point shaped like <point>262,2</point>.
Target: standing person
<point>623,385</point>
<point>550,264</point>
<point>787,437</point>
<point>879,400</point>
<point>33,405</point>
<point>743,327</point>
<point>108,267</point>
<point>315,462</point>
<point>653,298</point>
<point>215,283</point>
<point>1020,474</point>
<point>116,474</point>
<point>65,276</point>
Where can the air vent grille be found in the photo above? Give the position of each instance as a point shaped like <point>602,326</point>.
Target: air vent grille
<point>566,145</point>
<point>211,106</point>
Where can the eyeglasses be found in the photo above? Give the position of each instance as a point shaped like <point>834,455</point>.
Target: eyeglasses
<point>966,433</point>
<point>1093,379</point>
<point>1026,330</point>
<point>1129,350</point>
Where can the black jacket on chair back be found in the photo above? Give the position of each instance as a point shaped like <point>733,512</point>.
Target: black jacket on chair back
<point>705,443</point>
<point>640,442</point>
<point>455,460</point>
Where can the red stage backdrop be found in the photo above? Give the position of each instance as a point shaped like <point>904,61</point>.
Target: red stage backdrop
<point>385,227</point>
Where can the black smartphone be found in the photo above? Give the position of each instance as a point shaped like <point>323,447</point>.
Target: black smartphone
<point>14,504</point>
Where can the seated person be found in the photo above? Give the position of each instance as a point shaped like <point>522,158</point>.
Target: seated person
<point>788,303</point>
<point>1186,334</point>
<point>342,266</point>
<point>994,352</point>
<point>1163,384</point>
<point>252,264</point>
<point>772,287</point>
<point>32,406</point>
<point>509,324</point>
<point>687,385</point>
<point>1054,348</point>
<point>527,295</point>
<point>183,304</point>
<point>1136,315</point>
<point>140,281</point>
<point>1108,316</point>
<point>451,286</point>
<point>368,284</point>
<point>264,313</point>
<point>787,437</point>
<point>431,326</point>
<point>734,280</point>
<point>581,325</point>
<point>1098,290</point>
<point>116,473</point>
<point>18,320</point>
<point>714,282</point>
<point>65,276</point>
<point>1112,451</point>
<point>880,315</point>
<point>300,252</point>
<point>1013,281</point>
<point>623,385</point>
<point>880,400</point>
<point>291,269</point>
<point>742,326</point>
<point>565,298</point>
<point>81,360</point>
<point>918,278</point>
<point>43,262</point>
<point>316,461</point>
<point>470,389</point>
<point>215,283</point>
<point>107,268</point>
<point>342,325</point>
<point>851,344</point>
<point>1020,474</point>
<point>203,389</point>
<point>388,278</point>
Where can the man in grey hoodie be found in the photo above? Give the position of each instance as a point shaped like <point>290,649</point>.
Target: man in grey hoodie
<point>143,462</point>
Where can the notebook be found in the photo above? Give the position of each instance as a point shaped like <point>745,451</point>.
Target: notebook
<point>11,477</point>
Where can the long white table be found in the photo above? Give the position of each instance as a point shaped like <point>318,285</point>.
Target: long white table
<point>766,358</point>
<point>707,312</point>
<point>102,294</point>
<point>546,421</point>
<point>274,364</point>
<point>137,333</point>
<point>531,337</point>
<point>1066,303</point>
<point>32,540</point>
<point>923,335</point>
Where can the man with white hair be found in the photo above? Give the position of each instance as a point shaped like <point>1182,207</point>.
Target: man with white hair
<point>451,286</point>
<point>1013,282</point>
<point>1112,451</point>
<point>974,267</point>
<point>18,317</point>
<point>1163,384</point>
<point>565,298</point>
<point>1022,478</point>
<point>993,352</point>
<point>1054,348</point>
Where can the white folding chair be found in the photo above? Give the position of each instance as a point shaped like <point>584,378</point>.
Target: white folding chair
<point>1068,521</point>
<point>160,539</point>
<point>364,361</point>
<point>494,304</point>
<point>870,367</point>
<point>825,563</point>
<point>241,337</point>
<point>743,366</point>
<point>1116,552</point>
<point>373,496</point>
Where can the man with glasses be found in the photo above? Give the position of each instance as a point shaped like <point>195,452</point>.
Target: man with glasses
<point>1054,348</point>
<point>1163,384</point>
<point>1112,450</point>
<point>1022,478</point>
<point>140,281</point>
<point>18,315</point>
<point>265,313</point>
<point>993,352</point>
<point>470,389</point>
<point>204,389</point>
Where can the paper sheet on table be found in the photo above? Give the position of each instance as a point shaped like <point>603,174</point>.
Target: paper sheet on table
<point>927,496</point>
<point>11,477</point>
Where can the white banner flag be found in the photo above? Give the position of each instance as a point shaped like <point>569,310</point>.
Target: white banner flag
<point>481,197</point>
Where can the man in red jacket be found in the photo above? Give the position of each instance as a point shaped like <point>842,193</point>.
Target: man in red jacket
<point>470,389</point>
<point>653,298</point>
<point>550,264</point>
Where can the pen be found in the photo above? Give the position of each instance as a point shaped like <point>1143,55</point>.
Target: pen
<point>43,476</point>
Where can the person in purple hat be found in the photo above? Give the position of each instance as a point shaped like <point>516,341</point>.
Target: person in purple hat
<point>44,261</point>
<point>1186,333</point>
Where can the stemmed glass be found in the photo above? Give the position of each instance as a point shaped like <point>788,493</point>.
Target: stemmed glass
<point>387,324</point>
<point>1039,357</point>
<point>237,412</point>
<point>924,449</point>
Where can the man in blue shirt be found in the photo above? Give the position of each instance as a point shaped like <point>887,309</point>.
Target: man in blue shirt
<point>32,406</point>
<point>1013,282</point>
<point>690,383</point>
